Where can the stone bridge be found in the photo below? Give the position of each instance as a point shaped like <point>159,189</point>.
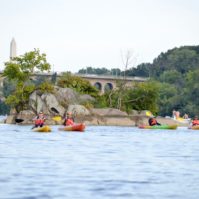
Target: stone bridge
<point>105,83</point>
<point>101,82</point>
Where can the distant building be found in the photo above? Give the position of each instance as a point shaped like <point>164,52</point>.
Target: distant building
<point>13,49</point>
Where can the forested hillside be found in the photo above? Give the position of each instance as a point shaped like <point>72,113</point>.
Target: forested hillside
<point>178,71</point>
<point>177,75</point>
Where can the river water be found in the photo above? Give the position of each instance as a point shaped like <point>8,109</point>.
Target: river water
<point>103,162</point>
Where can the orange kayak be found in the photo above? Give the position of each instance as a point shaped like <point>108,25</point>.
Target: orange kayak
<point>195,127</point>
<point>75,127</point>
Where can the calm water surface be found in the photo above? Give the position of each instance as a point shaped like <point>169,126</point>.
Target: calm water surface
<point>103,162</point>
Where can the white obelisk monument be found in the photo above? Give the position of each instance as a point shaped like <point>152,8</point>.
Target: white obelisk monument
<point>13,49</point>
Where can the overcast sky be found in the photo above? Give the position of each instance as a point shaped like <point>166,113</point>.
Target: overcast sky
<point>79,33</point>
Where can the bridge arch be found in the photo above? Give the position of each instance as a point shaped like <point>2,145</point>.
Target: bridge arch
<point>108,87</point>
<point>98,85</point>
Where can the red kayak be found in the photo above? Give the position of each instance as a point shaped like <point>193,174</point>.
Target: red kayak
<point>76,127</point>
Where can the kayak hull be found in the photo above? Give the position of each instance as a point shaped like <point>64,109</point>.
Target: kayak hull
<point>76,127</point>
<point>44,129</point>
<point>195,127</point>
<point>171,127</point>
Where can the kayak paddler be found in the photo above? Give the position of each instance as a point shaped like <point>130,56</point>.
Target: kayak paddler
<point>195,121</point>
<point>69,120</point>
<point>39,120</point>
<point>152,121</point>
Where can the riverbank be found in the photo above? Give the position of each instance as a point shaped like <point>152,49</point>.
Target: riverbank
<point>132,120</point>
<point>101,117</point>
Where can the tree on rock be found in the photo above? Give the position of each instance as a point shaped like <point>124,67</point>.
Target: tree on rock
<point>20,69</point>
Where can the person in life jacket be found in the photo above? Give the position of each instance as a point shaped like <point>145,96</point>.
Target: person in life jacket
<point>152,121</point>
<point>195,121</point>
<point>39,120</point>
<point>69,120</point>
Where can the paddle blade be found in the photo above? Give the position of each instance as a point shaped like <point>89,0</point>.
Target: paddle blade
<point>149,114</point>
<point>57,118</point>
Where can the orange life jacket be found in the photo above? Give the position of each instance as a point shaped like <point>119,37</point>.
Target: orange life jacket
<point>69,121</point>
<point>39,121</point>
<point>195,122</point>
<point>153,122</point>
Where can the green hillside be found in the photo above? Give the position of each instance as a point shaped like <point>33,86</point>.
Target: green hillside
<point>176,73</point>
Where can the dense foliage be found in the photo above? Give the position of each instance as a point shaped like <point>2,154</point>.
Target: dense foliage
<point>4,109</point>
<point>179,70</point>
<point>67,80</point>
<point>141,96</point>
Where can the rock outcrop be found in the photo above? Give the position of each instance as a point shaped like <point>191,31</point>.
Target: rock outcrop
<point>66,96</point>
<point>52,104</point>
<point>66,99</point>
<point>78,110</point>
<point>26,116</point>
<point>108,116</point>
<point>36,103</point>
<point>108,112</point>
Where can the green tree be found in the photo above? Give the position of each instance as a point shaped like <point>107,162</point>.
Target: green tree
<point>181,59</point>
<point>172,77</point>
<point>168,99</point>
<point>4,109</point>
<point>143,96</point>
<point>19,69</point>
<point>46,86</point>
<point>9,87</point>
<point>191,93</point>
<point>96,71</point>
<point>142,70</point>
<point>115,72</point>
<point>20,98</point>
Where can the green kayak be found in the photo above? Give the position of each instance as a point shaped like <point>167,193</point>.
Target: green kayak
<point>172,127</point>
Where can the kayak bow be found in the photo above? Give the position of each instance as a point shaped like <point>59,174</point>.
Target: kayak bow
<point>44,129</point>
<point>76,127</point>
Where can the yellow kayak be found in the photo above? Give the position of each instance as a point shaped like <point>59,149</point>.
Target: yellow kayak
<point>44,129</point>
<point>182,120</point>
